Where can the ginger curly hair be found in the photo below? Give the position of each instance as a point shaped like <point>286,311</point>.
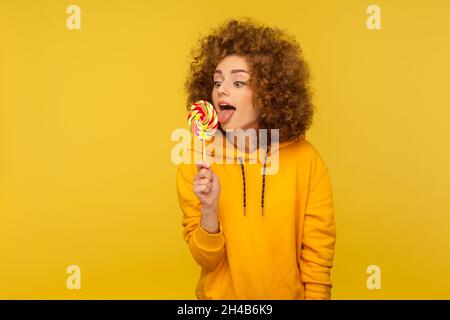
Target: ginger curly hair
<point>279,74</point>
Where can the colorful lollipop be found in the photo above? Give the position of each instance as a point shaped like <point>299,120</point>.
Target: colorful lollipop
<point>202,119</point>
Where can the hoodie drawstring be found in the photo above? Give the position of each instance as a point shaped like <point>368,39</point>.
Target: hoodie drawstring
<point>243,181</point>
<point>263,184</point>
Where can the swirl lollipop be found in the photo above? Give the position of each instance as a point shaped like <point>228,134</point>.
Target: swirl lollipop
<point>202,119</point>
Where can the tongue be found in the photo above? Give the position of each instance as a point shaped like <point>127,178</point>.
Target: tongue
<point>224,115</point>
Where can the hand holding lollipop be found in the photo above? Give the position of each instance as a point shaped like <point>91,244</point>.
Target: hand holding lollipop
<point>202,119</point>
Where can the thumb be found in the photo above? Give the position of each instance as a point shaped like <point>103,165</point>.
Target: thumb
<point>202,164</point>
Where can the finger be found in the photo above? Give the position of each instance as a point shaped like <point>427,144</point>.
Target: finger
<point>204,173</point>
<point>201,189</point>
<point>204,181</point>
<point>198,189</point>
<point>202,164</point>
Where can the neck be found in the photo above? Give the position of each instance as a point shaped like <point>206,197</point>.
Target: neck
<point>250,145</point>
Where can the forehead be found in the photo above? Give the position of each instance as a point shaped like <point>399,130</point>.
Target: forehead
<point>230,63</point>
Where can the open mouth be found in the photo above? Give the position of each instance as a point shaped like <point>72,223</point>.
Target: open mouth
<point>226,107</point>
<point>226,112</point>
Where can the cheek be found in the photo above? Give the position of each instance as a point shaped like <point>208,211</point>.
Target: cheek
<point>250,108</point>
<point>215,98</point>
<point>253,114</point>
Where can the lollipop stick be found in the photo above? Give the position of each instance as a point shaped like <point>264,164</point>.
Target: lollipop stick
<point>204,150</point>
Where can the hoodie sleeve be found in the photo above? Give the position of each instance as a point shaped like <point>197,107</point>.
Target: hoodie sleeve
<point>319,235</point>
<point>207,249</point>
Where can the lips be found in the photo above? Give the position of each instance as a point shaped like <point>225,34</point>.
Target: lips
<point>226,112</point>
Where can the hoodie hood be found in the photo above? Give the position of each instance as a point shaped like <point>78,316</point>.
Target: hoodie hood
<point>229,154</point>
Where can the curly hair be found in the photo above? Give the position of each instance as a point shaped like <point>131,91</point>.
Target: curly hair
<point>279,74</point>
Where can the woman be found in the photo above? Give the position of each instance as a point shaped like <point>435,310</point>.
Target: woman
<point>255,235</point>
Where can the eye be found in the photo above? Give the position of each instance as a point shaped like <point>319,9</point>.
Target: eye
<point>239,83</point>
<point>216,84</point>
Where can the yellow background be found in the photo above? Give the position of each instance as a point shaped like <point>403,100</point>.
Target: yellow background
<point>86,118</point>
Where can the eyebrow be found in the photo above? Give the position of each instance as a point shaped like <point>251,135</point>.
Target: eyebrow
<point>232,71</point>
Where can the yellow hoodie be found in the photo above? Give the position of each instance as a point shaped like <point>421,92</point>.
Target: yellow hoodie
<point>283,252</point>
